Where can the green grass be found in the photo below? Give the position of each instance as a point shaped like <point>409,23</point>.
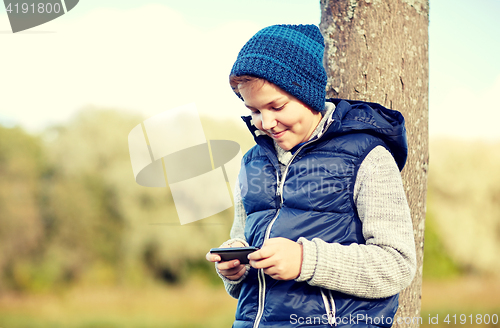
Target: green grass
<point>202,304</point>
<point>193,305</point>
<point>110,322</point>
<point>464,296</point>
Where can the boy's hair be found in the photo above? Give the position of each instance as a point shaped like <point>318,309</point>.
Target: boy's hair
<point>289,56</point>
<point>236,81</point>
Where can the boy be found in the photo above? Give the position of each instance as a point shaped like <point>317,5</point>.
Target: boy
<point>320,195</point>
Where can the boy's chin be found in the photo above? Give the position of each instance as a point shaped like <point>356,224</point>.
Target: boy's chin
<point>285,146</point>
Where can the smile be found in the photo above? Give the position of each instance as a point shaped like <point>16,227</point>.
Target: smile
<point>277,135</point>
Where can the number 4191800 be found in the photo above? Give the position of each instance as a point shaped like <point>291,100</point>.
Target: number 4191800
<point>471,319</point>
<point>41,8</point>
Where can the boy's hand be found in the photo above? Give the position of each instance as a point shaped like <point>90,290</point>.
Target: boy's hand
<point>280,258</point>
<point>232,270</point>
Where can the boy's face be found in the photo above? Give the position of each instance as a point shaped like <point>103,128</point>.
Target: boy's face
<point>279,114</point>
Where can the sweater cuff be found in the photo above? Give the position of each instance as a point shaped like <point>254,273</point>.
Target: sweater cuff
<point>232,240</point>
<point>233,290</point>
<point>309,259</point>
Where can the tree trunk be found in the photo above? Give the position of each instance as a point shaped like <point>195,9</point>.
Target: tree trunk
<point>377,51</point>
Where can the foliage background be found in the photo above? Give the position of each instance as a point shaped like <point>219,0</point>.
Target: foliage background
<point>83,245</point>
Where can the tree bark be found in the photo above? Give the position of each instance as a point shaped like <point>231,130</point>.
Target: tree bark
<point>377,51</point>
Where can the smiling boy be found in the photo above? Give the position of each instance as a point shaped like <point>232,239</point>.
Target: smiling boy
<point>277,113</point>
<point>320,194</point>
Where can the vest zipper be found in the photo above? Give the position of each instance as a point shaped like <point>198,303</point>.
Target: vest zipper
<point>262,278</point>
<point>262,297</point>
<point>261,275</point>
<point>329,306</point>
<point>279,193</point>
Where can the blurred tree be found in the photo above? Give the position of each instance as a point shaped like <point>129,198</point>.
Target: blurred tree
<point>71,212</point>
<point>114,228</point>
<point>92,208</point>
<point>378,51</point>
<point>438,264</point>
<point>21,228</point>
<point>463,203</point>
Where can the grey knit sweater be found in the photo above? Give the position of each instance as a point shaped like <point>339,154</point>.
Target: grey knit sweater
<point>380,268</point>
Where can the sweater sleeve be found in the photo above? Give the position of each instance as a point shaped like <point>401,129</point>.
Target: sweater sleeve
<point>387,262</point>
<point>233,287</point>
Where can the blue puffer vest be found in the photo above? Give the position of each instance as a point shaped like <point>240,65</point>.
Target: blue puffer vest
<point>314,199</point>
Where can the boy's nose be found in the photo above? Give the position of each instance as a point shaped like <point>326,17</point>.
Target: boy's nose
<point>268,120</point>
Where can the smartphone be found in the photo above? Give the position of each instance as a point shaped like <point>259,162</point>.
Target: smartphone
<point>234,253</point>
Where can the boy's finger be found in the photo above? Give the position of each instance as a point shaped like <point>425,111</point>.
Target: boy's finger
<point>232,271</point>
<point>212,257</point>
<point>240,272</point>
<point>262,253</point>
<point>226,265</point>
<point>262,264</point>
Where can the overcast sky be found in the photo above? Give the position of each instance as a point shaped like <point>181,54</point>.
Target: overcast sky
<point>149,56</point>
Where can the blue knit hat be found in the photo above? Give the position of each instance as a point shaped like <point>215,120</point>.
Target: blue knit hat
<point>289,56</point>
